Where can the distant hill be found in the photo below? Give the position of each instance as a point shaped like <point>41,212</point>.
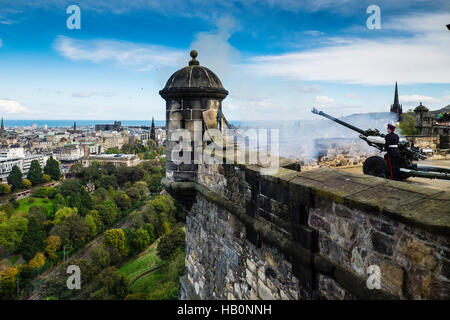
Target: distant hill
<point>444,109</point>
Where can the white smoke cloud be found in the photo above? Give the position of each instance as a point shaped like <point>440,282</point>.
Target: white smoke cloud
<point>214,49</point>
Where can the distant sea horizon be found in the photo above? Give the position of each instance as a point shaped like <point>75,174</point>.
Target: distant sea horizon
<point>80,123</point>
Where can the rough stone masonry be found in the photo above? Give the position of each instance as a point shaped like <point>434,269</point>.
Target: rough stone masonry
<point>299,235</point>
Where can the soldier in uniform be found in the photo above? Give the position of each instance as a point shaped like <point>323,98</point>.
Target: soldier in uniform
<point>393,154</point>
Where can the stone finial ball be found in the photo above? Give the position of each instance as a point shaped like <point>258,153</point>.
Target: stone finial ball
<point>194,54</point>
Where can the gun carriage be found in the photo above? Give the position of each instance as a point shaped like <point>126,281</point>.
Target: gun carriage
<point>378,166</point>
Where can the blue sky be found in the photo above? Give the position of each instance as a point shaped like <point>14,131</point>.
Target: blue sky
<point>278,58</point>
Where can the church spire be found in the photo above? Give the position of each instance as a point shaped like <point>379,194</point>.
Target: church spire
<point>152,130</point>
<point>397,107</point>
<point>396,95</point>
<point>2,130</point>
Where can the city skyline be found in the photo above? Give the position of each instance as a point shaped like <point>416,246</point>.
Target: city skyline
<point>301,55</point>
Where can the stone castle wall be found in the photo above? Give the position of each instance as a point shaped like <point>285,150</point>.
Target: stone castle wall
<point>312,235</point>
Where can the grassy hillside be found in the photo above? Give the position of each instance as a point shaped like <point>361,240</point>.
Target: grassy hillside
<point>145,261</point>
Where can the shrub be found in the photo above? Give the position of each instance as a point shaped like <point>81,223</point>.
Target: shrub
<point>5,189</point>
<point>26,183</point>
<point>31,199</point>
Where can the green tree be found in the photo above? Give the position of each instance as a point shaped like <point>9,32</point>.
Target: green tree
<point>100,256</point>
<point>113,150</point>
<point>168,245</point>
<point>137,240</point>
<point>90,221</point>
<point>122,200</point>
<point>33,240</point>
<point>110,284</point>
<point>35,173</point>
<point>116,238</point>
<point>108,212</point>
<point>12,231</point>
<point>408,125</point>
<point>64,213</point>
<point>52,169</point>
<point>59,202</point>
<point>15,178</point>
<point>133,194</point>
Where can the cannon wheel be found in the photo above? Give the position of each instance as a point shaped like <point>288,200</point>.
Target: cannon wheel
<point>376,166</point>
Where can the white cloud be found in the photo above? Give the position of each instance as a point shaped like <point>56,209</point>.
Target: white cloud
<point>421,58</point>
<point>313,33</point>
<point>139,57</point>
<point>417,98</point>
<point>11,106</point>
<point>89,94</point>
<point>323,99</point>
<point>309,89</point>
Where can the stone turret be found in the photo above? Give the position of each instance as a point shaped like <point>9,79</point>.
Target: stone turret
<point>189,92</point>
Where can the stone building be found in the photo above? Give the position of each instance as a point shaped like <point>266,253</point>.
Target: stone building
<point>428,125</point>
<point>126,160</point>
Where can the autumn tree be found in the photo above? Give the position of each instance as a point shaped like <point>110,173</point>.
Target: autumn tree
<point>8,283</point>
<point>4,188</point>
<point>26,183</point>
<point>116,238</point>
<point>37,262</point>
<point>53,243</point>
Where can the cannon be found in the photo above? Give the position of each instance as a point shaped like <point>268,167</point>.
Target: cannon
<point>378,166</point>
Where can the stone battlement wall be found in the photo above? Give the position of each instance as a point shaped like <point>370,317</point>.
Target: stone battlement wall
<point>312,235</point>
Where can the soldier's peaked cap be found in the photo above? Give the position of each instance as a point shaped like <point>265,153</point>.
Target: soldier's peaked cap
<point>391,126</point>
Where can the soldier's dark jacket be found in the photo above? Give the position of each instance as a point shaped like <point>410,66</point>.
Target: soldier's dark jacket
<point>392,139</point>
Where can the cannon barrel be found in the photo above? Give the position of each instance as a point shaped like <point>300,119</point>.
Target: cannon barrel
<point>345,124</point>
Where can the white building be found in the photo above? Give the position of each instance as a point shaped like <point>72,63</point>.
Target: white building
<point>16,157</point>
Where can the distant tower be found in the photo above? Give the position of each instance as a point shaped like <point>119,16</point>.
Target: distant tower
<point>152,130</point>
<point>397,107</point>
<point>2,130</point>
<point>74,126</point>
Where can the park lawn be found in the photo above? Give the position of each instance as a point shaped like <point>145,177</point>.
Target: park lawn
<point>25,205</point>
<point>146,261</point>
